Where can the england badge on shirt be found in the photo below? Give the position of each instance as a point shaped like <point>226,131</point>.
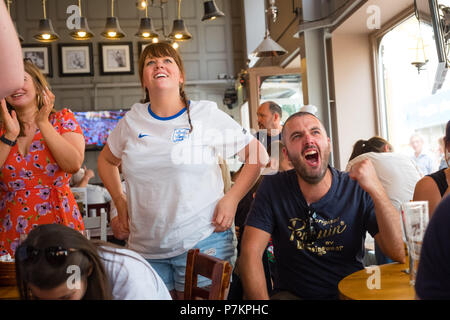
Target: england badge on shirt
<point>179,134</point>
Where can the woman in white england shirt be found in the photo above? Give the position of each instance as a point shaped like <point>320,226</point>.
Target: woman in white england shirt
<point>168,148</point>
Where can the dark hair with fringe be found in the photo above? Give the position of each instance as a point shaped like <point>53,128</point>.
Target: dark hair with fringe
<point>46,276</point>
<point>374,144</point>
<point>159,50</point>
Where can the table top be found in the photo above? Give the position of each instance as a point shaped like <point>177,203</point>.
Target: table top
<point>9,293</point>
<point>391,284</point>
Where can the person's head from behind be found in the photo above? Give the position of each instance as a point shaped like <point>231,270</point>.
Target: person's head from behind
<point>57,262</point>
<point>161,67</point>
<point>416,142</point>
<point>374,144</point>
<point>269,115</point>
<point>307,146</point>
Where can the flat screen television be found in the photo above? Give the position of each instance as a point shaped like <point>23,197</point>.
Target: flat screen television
<point>428,11</point>
<point>97,125</point>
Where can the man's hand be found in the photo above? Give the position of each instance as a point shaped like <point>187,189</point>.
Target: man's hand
<point>118,230</point>
<point>364,172</point>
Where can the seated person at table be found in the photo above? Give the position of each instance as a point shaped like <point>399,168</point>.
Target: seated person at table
<point>397,173</point>
<point>47,260</point>
<point>317,217</point>
<point>434,187</point>
<point>433,275</point>
<point>95,194</point>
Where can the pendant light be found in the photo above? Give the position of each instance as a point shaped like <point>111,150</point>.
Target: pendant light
<point>146,30</point>
<point>46,33</point>
<point>83,32</point>
<point>268,47</point>
<point>8,2</point>
<point>179,30</point>
<point>112,28</point>
<point>211,11</point>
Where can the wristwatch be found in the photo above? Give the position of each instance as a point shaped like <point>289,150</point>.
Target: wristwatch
<point>7,141</point>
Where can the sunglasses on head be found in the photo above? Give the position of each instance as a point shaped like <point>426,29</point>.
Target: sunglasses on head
<point>54,255</point>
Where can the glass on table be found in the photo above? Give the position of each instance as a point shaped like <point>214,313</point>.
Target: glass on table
<point>415,222</point>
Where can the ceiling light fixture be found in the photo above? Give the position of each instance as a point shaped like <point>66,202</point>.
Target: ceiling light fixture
<point>211,11</point>
<point>82,32</point>
<point>179,30</point>
<point>268,47</point>
<point>146,30</point>
<point>46,33</point>
<point>112,28</point>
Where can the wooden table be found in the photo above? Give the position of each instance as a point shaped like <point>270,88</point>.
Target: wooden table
<point>9,293</point>
<point>393,284</point>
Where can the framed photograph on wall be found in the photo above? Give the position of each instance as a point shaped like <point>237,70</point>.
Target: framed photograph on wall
<point>75,59</point>
<point>142,45</point>
<point>116,58</point>
<point>40,55</point>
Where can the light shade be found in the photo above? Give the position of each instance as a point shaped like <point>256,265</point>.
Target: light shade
<point>83,33</point>
<point>268,48</point>
<point>146,29</point>
<point>211,11</point>
<point>46,33</point>
<point>179,31</point>
<point>112,29</point>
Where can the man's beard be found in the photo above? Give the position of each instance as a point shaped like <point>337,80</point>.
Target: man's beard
<point>302,168</point>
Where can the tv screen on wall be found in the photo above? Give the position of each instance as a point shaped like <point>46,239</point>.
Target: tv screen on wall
<point>97,125</point>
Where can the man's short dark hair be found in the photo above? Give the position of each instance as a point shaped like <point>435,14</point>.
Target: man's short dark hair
<point>292,116</point>
<point>273,107</point>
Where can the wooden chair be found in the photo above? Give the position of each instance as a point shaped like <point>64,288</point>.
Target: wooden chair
<point>98,222</point>
<point>219,271</point>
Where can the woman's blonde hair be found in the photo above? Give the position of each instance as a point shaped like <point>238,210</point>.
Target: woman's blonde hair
<point>40,83</point>
<point>159,50</point>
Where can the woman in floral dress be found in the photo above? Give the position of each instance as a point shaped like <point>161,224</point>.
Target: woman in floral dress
<point>39,149</point>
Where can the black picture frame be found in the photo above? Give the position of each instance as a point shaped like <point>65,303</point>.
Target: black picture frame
<point>75,59</point>
<point>116,58</point>
<point>41,55</point>
<point>142,45</point>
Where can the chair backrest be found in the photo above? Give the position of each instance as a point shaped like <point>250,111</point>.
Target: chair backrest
<point>97,223</point>
<point>219,271</point>
<point>80,195</point>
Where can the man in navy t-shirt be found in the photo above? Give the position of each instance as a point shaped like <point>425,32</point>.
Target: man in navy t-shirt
<point>317,218</point>
<point>433,276</point>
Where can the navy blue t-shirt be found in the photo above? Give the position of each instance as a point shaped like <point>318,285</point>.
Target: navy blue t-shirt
<point>433,276</point>
<point>341,219</point>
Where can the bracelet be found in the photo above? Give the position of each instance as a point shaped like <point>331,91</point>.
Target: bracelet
<point>7,141</point>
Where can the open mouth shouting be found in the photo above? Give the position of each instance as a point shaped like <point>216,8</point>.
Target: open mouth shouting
<point>311,155</point>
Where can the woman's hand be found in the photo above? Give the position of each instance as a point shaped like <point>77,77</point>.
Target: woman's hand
<point>118,230</point>
<point>10,122</point>
<point>122,211</point>
<point>44,112</point>
<point>224,213</point>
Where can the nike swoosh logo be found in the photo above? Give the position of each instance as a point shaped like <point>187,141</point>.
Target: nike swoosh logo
<point>142,135</point>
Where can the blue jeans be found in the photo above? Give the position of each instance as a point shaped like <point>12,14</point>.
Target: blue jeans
<point>173,270</point>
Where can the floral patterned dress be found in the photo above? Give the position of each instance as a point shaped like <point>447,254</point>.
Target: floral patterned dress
<point>34,190</point>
